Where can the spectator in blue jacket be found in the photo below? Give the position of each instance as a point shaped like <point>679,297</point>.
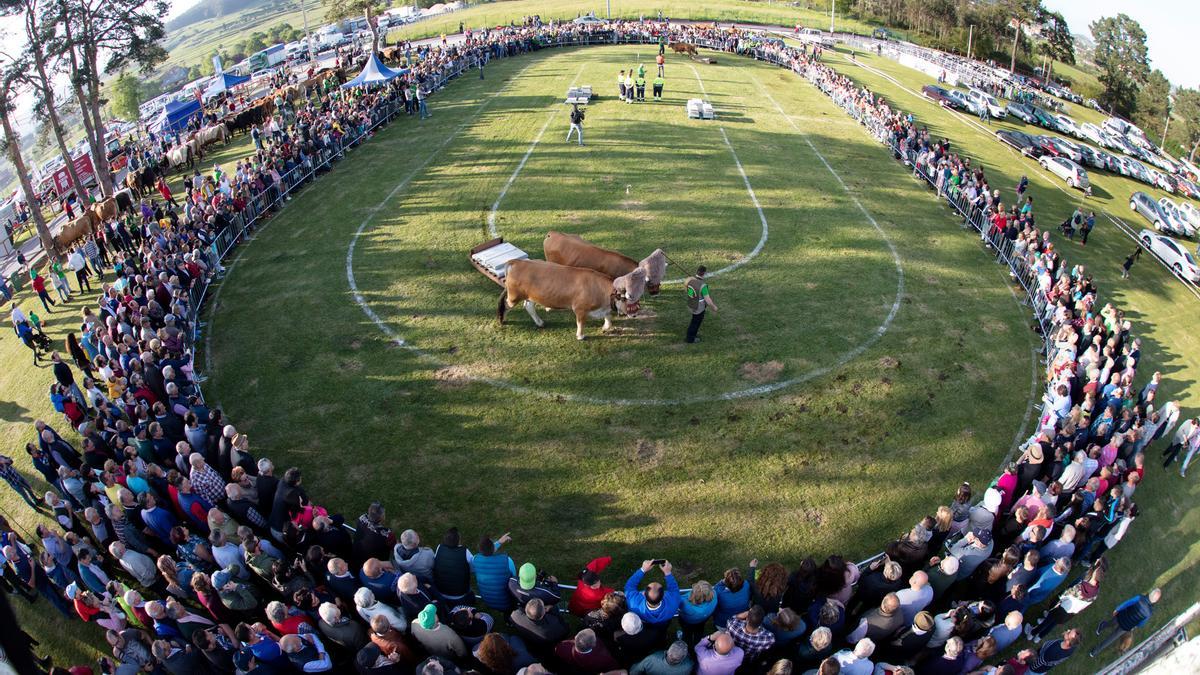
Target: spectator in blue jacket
<point>1131,614</point>
<point>492,571</point>
<point>1049,579</point>
<point>655,605</point>
<point>381,579</point>
<point>733,596</point>
<point>694,613</point>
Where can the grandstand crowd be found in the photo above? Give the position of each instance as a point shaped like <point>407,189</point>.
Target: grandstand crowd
<point>194,555</point>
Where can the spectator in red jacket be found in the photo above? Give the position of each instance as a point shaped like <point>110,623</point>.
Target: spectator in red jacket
<point>589,591</point>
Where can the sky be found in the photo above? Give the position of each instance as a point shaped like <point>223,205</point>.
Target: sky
<point>1170,27</point>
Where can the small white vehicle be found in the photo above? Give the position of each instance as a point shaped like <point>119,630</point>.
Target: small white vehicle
<point>1191,213</point>
<point>1068,125</point>
<point>816,37</point>
<point>1075,175</point>
<point>1178,222</point>
<point>1092,133</point>
<point>1170,252</point>
<point>980,98</point>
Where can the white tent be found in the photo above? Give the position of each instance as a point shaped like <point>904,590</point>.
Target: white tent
<point>374,72</point>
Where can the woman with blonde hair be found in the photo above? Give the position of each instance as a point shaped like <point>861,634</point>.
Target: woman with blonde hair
<point>606,620</point>
<point>694,613</point>
<point>943,524</point>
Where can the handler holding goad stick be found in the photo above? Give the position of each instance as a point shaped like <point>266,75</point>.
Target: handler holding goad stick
<point>699,299</point>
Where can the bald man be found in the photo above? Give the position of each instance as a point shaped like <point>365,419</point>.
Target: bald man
<point>717,655</point>
<point>916,597</point>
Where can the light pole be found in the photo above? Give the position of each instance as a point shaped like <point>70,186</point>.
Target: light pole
<point>831,7</point>
<point>970,35</point>
<point>1167,125</point>
<point>1012,66</point>
<point>307,38</point>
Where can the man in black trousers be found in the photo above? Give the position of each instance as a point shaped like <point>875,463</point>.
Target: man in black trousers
<point>699,299</point>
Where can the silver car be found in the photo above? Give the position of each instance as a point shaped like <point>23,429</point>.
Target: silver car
<point>1067,170</point>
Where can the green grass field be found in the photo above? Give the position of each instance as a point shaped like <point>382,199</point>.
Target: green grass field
<point>709,484</point>
<point>840,462</point>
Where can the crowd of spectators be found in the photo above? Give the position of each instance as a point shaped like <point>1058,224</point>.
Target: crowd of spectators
<point>194,556</point>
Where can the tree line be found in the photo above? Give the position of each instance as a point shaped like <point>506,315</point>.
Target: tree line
<point>79,41</point>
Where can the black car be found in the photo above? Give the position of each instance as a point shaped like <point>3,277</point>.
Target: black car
<point>1021,141</point>
<point>940,95</point>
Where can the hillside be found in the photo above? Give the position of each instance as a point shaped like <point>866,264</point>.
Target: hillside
<point>211,9</point>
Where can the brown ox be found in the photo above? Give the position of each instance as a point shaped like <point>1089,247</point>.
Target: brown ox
<point>105,210</point>
<point>575,251</point>
<point>181,155</point>
<point>684,48</point>
<point>75,230</point>
<point>588,293</point>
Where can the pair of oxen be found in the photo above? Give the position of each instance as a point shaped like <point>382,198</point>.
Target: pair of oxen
<point>577,275</point>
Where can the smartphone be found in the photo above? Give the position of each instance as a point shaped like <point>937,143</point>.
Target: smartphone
<point>658,561</point>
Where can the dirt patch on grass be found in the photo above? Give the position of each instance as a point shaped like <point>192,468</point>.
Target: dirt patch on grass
<point>889,362</point>
<point>647,453</point>
<point>630,204</point>
<point>356,344</point>
<point>353,365</point>
<point>990,326</point>
<point>648,373</point>
<point>451,376</point>
<point>761,372</point>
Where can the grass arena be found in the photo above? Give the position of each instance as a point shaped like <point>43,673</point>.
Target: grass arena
<point>868,355</point>
<point>388,361</point>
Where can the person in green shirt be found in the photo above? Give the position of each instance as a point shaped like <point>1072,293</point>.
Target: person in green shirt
<point>699,299</point>
<point>658,87</point>
<point>640,83</point>
<point>641,70</point>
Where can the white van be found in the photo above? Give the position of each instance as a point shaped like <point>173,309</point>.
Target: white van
<point>815,36</point>
<point>980,98</point>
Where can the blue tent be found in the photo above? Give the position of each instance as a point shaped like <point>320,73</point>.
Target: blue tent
<point>177,114</point>
<point>374,72</point>
<point>222,83</point>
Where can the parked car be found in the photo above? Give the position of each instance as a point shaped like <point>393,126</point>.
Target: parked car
<point>1188,188</point>
<point>1144,204</point>
<point>1170,252</point>
<point>1044,118</point>
<point>1093,157</point>
<point>981,98</point>
<point>940,95</point>
<point>1021,111</point>
<point>1191,213</point>
<point>1067,170</point>
<point>963,103</point>
<point>1024,143</point>
<point>1053,145</point>
<point>1178,219</point>
<point>1091,132</point>
<point>1067,125</point>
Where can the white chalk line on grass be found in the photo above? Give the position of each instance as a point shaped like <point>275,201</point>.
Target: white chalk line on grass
<point>887,322</point>
<point>760,390</point>
<point>491,219</point>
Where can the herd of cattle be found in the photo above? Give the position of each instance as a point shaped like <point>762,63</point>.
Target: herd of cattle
<point>183,155</point>
<point>592,282</point>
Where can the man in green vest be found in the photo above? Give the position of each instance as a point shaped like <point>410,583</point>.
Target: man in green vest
<point>621,85</point>
<point>641,86</point>
<point>699,299</point>
<point>658,85</point>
